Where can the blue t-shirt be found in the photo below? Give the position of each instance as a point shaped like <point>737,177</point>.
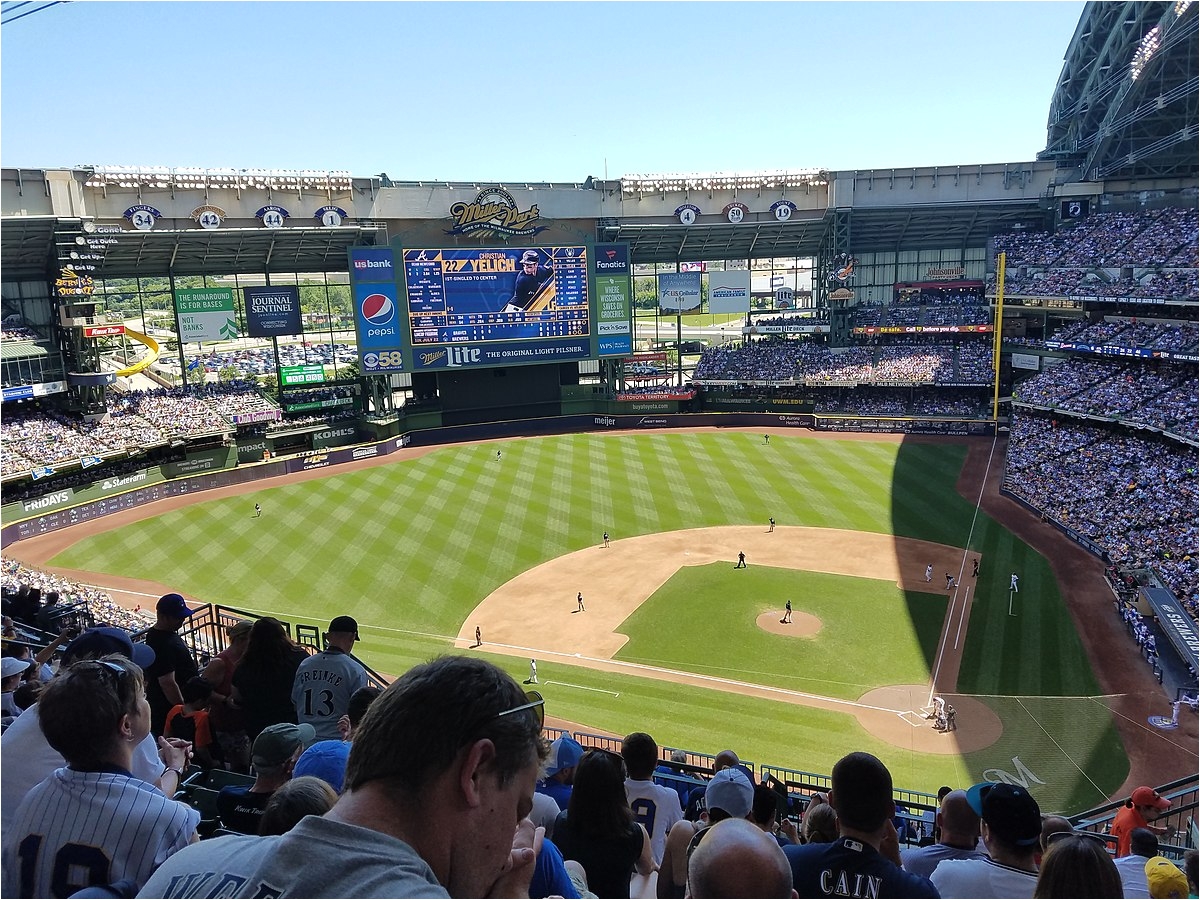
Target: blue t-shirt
<point>559,792</point>
<point>849,868</point>
<point>550,878</point>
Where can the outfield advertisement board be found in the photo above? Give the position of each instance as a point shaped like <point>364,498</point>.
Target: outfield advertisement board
<point>272,311</point>
<point>614,300</point>
<point>206,314</point>
<point>729,292</point>
<point>294,375</point>
<point>679,291</point>
<point>377,322</point>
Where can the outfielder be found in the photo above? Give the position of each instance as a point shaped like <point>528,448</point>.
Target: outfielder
<point>1012,583</point>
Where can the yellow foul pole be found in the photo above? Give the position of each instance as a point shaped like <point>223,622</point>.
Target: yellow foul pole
<point>1000,260</point>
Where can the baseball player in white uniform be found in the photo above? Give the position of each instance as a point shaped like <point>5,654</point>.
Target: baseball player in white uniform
<point>92,823</point>
<point>324,682</point>
<point>1012,583</point>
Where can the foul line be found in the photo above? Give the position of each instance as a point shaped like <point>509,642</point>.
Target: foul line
<point>583,687</point>
<point>967,594</point>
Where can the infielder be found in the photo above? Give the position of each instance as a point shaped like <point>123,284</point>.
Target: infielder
<point>579,602</point>
<point>929,572</point>
<point>533,671</point>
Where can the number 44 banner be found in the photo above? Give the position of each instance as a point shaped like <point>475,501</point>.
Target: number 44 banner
<point>206,314</point>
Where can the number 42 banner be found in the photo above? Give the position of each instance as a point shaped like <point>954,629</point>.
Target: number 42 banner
<point>206,314</point>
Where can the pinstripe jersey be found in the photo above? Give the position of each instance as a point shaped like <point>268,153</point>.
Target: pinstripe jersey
<point>77,829</point>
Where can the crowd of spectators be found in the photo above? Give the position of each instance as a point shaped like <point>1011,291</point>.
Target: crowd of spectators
<point>136,420</point>
<point>1177,337</point>
<point>903,315</point>
<point>1133,496</point>
<point>102,609</point>
<point>1163,396</point>
<point>1084,260</point>
<point>815,364</point>
<point>1157,238</point>
<point>18,332</point>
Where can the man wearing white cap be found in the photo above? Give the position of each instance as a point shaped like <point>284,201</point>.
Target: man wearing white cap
<point>11,670</point>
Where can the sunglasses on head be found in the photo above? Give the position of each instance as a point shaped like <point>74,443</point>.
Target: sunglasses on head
<point>536,704</point>
<point>1057,836</point>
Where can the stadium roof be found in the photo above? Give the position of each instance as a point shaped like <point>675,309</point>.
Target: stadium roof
<point>28,248</point>
<point>1126,102</point>
<point>870,230</point>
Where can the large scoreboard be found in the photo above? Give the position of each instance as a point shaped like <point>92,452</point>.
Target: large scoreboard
<point>426,309</point>
<point>478,295</point>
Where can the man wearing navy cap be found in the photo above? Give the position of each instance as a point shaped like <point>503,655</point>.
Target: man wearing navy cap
<point>326,681</point>
<point>1012,830</point>
<point>173,661</point>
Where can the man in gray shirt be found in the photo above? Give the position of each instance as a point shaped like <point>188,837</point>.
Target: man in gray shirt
<point>326,681</point>
<point>960,838</point>
<point>438,789</point>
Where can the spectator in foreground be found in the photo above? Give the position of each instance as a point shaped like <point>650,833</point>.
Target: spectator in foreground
<point>227,721</point>
<point>189,721</point>
<point>173,664</point>
<point>565,754</point>
<point>1078,865</point>
<point>1143,846</point>
<point>820,824</point>
<point>274,755</point>
<point>867,853</point>
<point>655,807</point>
<point>960,837</point>
<point>29,758</point>
<point>10,679</point>
<point>262,681</point>
<point>738,859</point>
<point>729,795</point>
<point>1143,805</point>
<point>440,778</point>
<point>325,681</point>
<point>92,822</point>
<point>1012,830</point>
<point>598,829</point>
<point>328,759</point>
<point>1166,880</point>
<point>299,797</point>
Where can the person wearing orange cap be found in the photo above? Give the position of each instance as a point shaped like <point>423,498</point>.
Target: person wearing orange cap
<point>1144,804</point>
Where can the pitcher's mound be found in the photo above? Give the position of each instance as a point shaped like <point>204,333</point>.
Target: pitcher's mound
<point>897,718</point>
<point>802,624</point>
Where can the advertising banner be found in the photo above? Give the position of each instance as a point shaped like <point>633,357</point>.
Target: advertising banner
<point>272,311</point>
<point>293,375</point>
<point>729,292</point>
<point>206,314</point>
<point>678,292</point>
<point>376,309</point>
<point>498,354</point>
<point>614,294</point>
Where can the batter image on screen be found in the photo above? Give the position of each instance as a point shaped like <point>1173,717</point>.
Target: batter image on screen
<point>528,289</point>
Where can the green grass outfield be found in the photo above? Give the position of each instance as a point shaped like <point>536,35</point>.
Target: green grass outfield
<point>410,547</point>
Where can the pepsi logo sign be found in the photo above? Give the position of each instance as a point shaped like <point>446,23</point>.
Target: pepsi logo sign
<point>378,309</point>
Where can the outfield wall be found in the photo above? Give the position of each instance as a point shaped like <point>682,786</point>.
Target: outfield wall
<point>64,508</point>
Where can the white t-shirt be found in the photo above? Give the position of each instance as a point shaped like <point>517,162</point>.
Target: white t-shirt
<point>1133,875</point>
<point>657,808</point>
<point>29,759</point>
<point>983,878</point>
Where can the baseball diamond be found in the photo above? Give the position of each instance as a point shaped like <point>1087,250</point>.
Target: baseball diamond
<point>462,545</point>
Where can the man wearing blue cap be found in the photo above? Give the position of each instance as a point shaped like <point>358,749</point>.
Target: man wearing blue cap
<point>173,661</point>
<point>1012,829</point>
<point>565,754</point>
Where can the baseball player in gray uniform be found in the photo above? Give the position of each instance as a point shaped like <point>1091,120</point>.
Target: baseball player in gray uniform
<point>324,682</point>
<point>92,822</point>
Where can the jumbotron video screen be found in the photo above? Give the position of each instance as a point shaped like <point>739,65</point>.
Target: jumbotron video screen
<point>501,294</point>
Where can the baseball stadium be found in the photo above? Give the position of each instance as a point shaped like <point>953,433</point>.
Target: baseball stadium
<point>791,463</point>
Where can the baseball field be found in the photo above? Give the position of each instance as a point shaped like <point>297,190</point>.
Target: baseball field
<point>428,546</point>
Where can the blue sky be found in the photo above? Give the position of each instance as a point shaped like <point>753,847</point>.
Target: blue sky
<point>530,91</point>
